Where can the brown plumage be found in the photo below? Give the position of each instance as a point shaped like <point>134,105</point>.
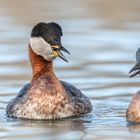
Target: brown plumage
<point>133,111</point>
<point>46,97</point>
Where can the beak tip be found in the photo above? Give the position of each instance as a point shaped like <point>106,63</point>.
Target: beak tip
<point>133,73</point>
<point>66,61</point>
<point>63,57</point>
<point>130,76</point>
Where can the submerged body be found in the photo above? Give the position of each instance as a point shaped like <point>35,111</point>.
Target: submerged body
<point>46,97</point>
<point>133,111</point>
<point>70,102</point>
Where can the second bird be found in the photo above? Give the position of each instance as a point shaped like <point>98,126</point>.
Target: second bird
<point>133,111</point>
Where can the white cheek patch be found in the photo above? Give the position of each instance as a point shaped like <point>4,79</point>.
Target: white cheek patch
<point>41,47</point>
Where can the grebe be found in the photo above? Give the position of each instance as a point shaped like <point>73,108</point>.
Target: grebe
<point>46,97</point>
<point>133,111</point>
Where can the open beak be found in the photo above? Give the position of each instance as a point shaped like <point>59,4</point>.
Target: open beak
<point>134,71</point>
<point>58,49</point>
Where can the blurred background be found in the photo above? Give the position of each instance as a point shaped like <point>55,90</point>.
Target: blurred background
<point>102,36</point>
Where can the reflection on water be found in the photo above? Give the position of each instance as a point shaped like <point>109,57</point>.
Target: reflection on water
<point>102,37</point>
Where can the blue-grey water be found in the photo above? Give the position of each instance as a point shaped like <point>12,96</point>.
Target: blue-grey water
<point>102,37</point>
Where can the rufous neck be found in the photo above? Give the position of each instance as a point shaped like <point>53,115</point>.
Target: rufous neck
<point>39,64</point>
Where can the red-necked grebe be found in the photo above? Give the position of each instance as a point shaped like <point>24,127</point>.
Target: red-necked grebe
<point>133,111</point>
<point>46,97</point>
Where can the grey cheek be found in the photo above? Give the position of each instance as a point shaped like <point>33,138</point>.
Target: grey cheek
<point>47,49</point>
<point>48,57</point>
<point>41,47</point>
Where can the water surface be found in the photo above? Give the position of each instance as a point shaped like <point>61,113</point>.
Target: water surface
<point>102,37</point>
